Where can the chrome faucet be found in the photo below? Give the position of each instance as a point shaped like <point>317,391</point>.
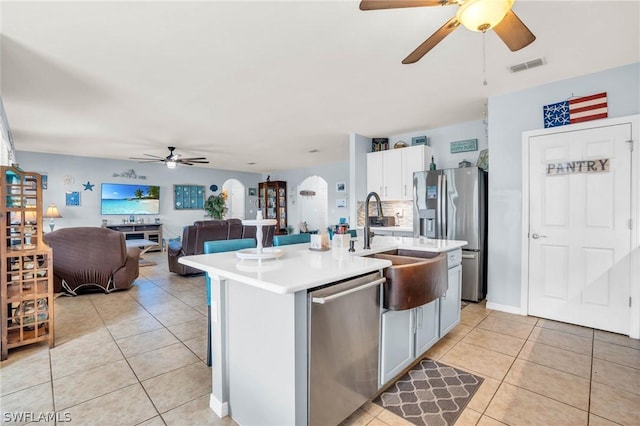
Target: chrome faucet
<point>367,232</point>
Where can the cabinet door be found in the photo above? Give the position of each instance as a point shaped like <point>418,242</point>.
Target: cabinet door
<point>414,159</point>
<point>396,346</point>
<point>392,174</point>
<point>375,171</point>
<point>427,326</point>
<point>450,303</point>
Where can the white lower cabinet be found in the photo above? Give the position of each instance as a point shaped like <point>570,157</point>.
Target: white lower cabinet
<point>397,343</point>
<point>450,302</point>
<point>427,326</point>
<point>405,336</point>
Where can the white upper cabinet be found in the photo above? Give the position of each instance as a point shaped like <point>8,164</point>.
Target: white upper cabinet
<point>414,159</point>
<point>375,181</point>
<point>390,173</point>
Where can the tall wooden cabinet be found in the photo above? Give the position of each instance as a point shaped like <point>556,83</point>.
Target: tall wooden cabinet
<point>272,199</point>
<point>26,284</point>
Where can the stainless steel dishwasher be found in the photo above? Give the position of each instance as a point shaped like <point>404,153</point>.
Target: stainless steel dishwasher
<point>344,329</point>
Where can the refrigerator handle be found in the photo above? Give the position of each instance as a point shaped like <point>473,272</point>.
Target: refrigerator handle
<point>442,207</point>
<point>439,217</point>
<point>445,213</point>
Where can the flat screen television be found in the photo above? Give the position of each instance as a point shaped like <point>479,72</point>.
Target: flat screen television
<point>131,199</point>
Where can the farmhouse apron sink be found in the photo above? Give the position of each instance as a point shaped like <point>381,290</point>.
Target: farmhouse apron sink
<point>413,281</point>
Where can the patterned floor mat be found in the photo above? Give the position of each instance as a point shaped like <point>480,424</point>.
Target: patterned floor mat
<point>431,394</point>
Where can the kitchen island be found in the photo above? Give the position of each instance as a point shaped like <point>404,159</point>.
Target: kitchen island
<point>260,315</point>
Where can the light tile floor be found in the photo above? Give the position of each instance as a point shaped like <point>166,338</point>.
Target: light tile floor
<point>137,357</point>
<point>536,372</point>
<point>127,358</point>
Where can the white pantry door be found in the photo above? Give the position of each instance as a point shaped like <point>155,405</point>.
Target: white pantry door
<point>579,227</point>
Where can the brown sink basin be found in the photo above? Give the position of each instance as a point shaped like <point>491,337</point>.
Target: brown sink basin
<point>412,253</point>
<point>413,281</point>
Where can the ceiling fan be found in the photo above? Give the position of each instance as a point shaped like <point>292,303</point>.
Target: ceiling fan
<point>476,15</point>
<point>171,160</point>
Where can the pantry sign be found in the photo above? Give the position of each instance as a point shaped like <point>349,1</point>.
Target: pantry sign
<point>580,166</point>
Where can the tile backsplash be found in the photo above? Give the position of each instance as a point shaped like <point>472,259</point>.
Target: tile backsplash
<point>402,210</point>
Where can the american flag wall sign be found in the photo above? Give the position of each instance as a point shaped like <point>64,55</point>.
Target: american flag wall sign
<point>575,110</point>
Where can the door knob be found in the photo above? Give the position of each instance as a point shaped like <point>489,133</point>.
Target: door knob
<point>535,236</point>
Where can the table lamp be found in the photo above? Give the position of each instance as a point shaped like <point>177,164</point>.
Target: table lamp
<point>30,218</point>
<point>52,213</point>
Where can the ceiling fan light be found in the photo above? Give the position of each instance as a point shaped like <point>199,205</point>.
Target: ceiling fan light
<point>480,15</point>
<point>171,164</point>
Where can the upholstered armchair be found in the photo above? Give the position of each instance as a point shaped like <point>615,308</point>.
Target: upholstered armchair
<point>87,258</point>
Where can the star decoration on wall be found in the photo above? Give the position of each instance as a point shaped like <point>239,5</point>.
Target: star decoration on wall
<point>88,186</point>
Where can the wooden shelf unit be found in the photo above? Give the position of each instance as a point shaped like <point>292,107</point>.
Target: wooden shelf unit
<point>141,231</point>
<point>26,282</point>
<point>272,199</point>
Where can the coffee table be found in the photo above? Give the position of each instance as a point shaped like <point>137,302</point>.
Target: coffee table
<point>144,246</point>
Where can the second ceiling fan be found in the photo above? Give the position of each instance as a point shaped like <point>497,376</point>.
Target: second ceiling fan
<point>476,15</point>
<point>172,159</point>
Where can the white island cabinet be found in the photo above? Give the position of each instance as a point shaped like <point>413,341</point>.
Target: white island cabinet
<point>260,314</point>
<point>450,303</point>
<point>406,335</point>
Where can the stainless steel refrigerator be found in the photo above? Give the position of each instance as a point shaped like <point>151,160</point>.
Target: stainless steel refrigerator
<point>451,204</point>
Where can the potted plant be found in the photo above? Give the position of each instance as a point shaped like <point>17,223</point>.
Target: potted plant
<point>215,205</point>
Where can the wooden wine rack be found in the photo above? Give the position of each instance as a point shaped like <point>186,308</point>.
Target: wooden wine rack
<point>26,283</point>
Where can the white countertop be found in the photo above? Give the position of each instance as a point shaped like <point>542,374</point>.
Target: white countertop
<point>301,269</point>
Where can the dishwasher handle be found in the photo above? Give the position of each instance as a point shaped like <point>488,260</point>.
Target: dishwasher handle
<point>323,300</point>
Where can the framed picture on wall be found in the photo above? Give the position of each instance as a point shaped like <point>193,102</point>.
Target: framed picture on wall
<point>72,198</point>
<point>341,187</point>
<point>188,197</point>
<point>252,192</point>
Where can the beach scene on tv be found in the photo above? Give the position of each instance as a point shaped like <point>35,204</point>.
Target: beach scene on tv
<point>118,198</point>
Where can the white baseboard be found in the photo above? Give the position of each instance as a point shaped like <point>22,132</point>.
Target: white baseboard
<point>220,408</point>
<point>505,308</point>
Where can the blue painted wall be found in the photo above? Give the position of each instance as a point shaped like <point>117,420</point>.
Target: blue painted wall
<point>509,116</point>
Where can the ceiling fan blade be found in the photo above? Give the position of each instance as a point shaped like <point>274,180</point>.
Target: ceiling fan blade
<point>194,158</point>
<point>432,41</point>
<point>146,159</point>
<point>397,4</point>
<point>513,32</point>
<point>198,161</point>
<point>154,156</point>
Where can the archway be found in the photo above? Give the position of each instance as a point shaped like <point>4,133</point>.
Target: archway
<point>312,201</point>
<point>235,198</point>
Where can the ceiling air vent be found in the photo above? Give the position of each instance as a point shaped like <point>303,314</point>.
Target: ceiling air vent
<point>527,65</point>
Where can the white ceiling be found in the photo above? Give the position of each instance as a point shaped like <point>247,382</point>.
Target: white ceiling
<point>267,82</point>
